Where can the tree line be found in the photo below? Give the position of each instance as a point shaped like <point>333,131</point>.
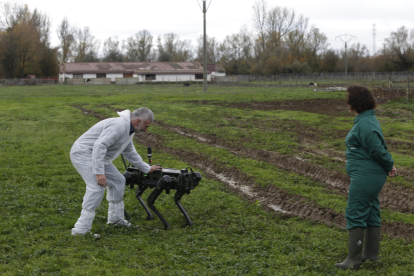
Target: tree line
<point>280,41</point>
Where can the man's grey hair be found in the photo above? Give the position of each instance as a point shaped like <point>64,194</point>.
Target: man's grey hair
<point>142,113</point>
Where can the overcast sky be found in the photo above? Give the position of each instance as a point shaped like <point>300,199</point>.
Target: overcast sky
<point>224,17</point>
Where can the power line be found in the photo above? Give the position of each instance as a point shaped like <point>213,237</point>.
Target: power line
<point>209,5</point>
<point>199,5</point>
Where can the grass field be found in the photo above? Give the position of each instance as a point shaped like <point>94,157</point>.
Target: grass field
<point>271,201</point>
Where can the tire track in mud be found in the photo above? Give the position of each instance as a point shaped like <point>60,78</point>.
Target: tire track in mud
<point>396,198</point>
<point>331,107</point>
<point>271,197</point>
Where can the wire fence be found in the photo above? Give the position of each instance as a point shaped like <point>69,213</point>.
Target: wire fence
<point>30,81</point>
<point>385,79</point>
<point>384,85</point>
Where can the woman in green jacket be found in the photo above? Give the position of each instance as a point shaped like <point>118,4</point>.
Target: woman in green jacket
<point>368,164</point>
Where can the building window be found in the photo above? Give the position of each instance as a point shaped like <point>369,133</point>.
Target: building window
<point>77,76</point>
<point>150,77</point>
<point>101,76</point>
<point>127,75</point>
<point>199,76</point>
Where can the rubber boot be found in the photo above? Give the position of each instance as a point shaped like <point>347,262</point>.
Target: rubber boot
<point>372,242</point>
<point>355,245</point>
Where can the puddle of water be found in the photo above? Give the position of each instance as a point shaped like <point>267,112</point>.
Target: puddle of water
<point>277,209</point>
<point>190,135</point>
<point>245,189</point>
<point>336,88</point>
<point>339,158</point>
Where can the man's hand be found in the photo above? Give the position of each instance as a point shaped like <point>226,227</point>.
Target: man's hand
<point>101,180</point>
<point>393,172</point>
<point>154,168</point>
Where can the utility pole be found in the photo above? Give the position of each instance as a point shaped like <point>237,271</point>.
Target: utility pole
<point>346,40</point>
<point>374,34</point>
<point>205,49</point>
<point>204,10</point>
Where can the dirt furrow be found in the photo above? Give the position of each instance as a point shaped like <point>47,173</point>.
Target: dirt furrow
<point>397,198</point>
<point>270,197</point>
<point>331,107</point>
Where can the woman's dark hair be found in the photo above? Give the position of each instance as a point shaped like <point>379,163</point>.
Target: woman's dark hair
<point>360,98</point>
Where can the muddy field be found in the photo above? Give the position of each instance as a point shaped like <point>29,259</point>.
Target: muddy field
<point>394,196</point>
<point>330,107</point>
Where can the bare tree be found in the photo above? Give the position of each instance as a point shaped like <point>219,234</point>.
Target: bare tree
<point>66,35</point>
<point>180,50</point>
<point>12,13</point>
<point>212,49</point>
<point>236,50</point>
<point>85,47</point>
<point>259,21</point>
<point>168,44</point>
<point>113,50</point>
<point>399,49</point>
<point>139,46</point>
<point>280,22</point>
<point>42,23</point>
<point>317,41</point>
<point>317,45</point>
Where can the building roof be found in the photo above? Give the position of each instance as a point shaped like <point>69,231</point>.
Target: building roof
<point>132,67</point>
<point>219,68</point>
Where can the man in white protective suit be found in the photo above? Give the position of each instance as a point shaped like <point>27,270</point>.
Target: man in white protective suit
<point>92,155</point>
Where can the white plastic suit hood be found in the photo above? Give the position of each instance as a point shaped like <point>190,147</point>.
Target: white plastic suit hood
<point>125,114</point>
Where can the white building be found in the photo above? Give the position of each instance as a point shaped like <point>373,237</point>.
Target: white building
<point>135,72</point>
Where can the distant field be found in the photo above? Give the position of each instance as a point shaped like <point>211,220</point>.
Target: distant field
<point>271,201</point>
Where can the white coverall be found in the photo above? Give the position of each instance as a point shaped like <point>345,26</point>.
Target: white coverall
<point>92,154</point>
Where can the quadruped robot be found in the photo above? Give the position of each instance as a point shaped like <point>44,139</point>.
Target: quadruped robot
<point>165,179</point>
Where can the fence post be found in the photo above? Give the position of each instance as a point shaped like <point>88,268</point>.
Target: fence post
<point>408,85</point>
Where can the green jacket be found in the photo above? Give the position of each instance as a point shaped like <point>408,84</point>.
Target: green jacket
<point>366,147</point>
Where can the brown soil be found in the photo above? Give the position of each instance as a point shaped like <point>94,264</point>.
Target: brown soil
<point>293,204</point>
<point>393,197</point>
<point>397,198</point>
<point>90,112</point>
<point>331,107</point>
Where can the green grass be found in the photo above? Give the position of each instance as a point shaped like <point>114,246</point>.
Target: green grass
<point>41,192</point>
